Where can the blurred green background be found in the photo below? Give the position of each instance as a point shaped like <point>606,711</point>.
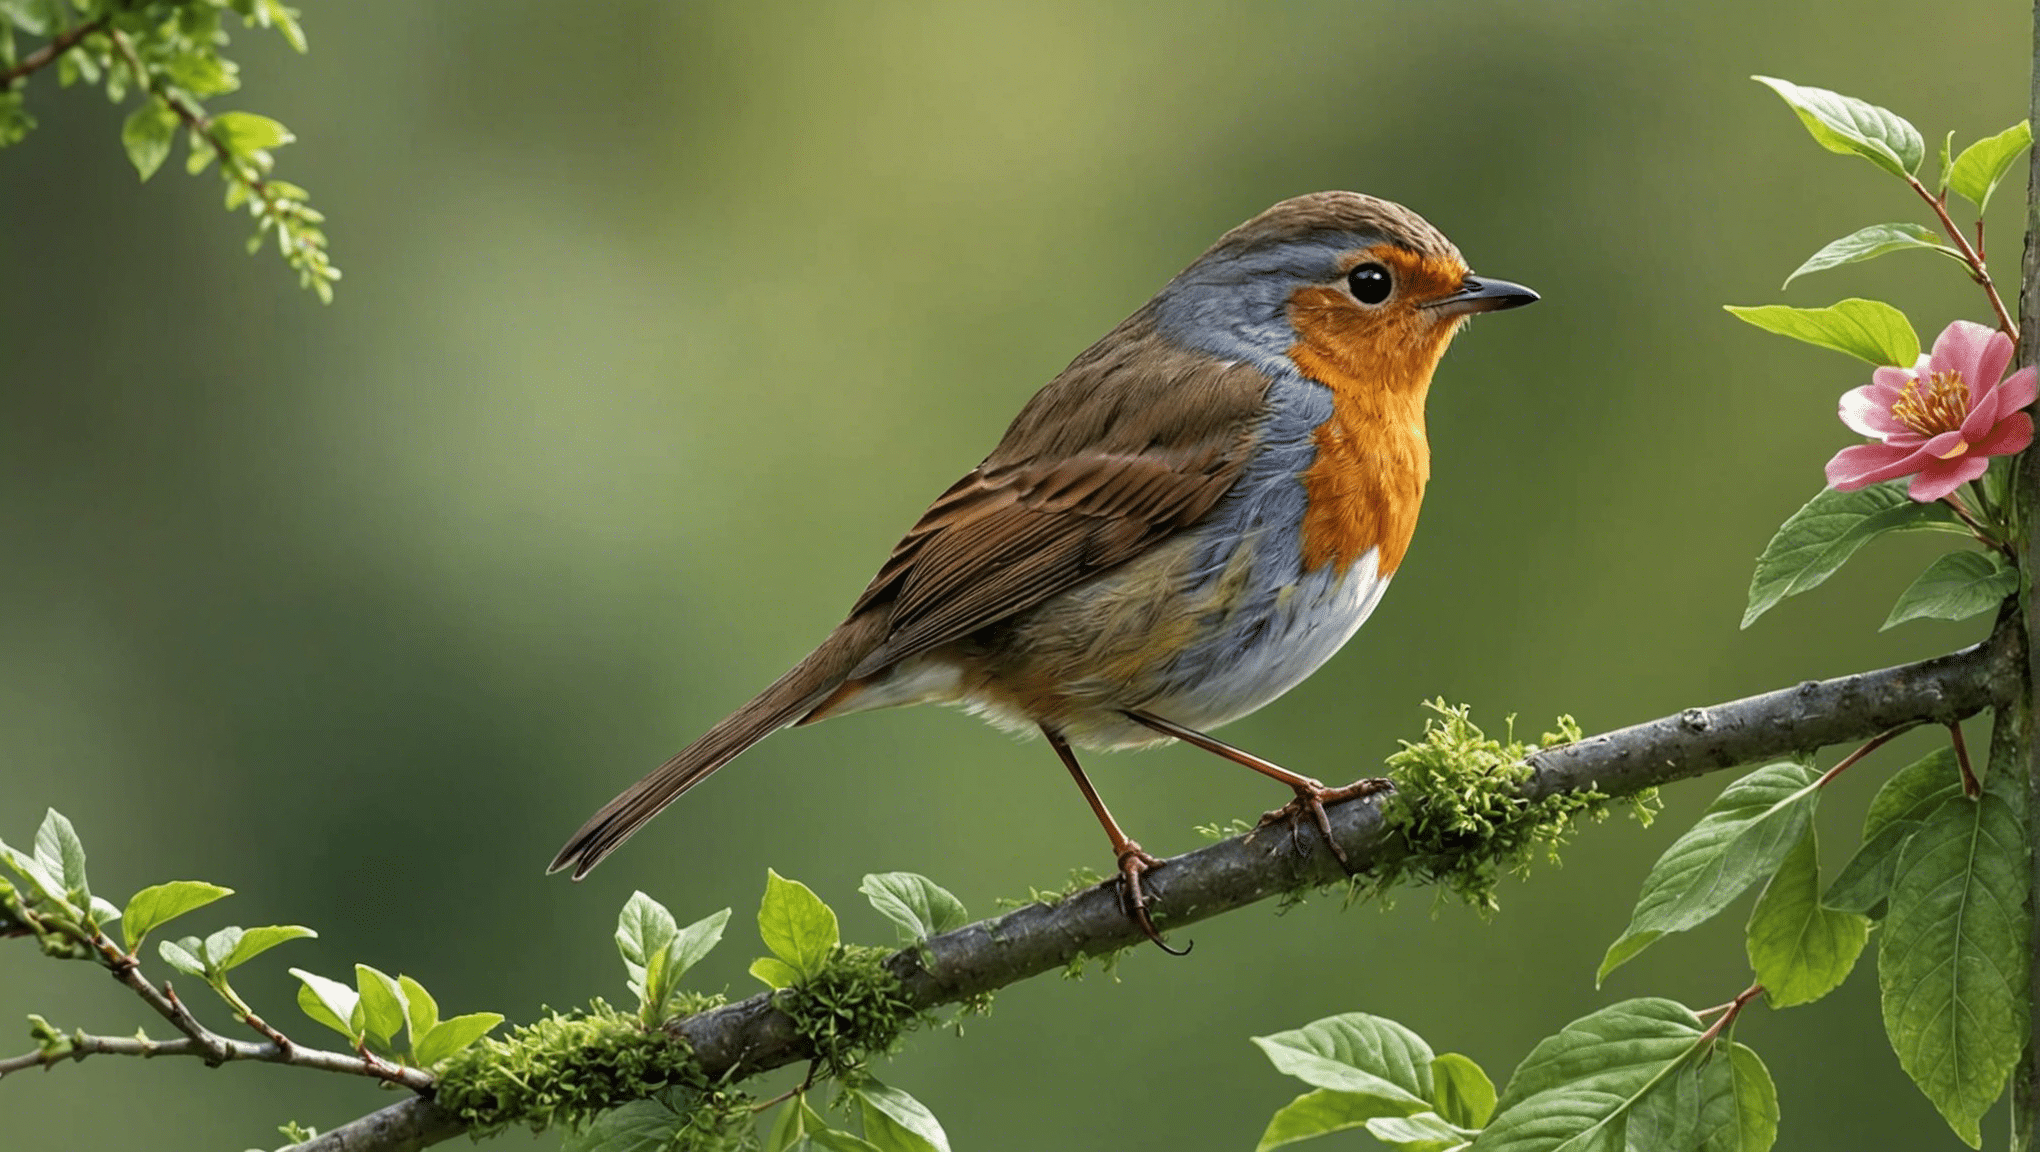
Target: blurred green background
<point>661,321</point>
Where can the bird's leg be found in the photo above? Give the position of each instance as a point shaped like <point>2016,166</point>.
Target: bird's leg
<point>1133,859</point>
<point>1311,795</point>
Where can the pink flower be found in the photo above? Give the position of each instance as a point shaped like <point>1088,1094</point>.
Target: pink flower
<point>1939,421</point>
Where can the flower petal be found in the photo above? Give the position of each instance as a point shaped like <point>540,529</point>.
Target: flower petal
<point>1990,367</point>
<point>1861,464</point>
<point>1867,411</point>
<point>1960,348</point>
<point>2018,391</point>
<point>1895,378</point>
<point>2012,434</point>
<point>1982,417</point>
<point>1945,476</point>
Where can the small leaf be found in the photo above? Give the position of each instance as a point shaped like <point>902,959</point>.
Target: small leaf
<point>1321,1112</point>
<point>421,1011</point>
<point>1616,1049</point>
<point>1357,1053</point>
<point>786,1129</point>
<point>696,941</point>
<point>1463,1093</point>
<point>1983,164</point>
<point>643,929</point>
<point>1947,166</point>
<point>1868,244</point>
<point>776,974</point>
<point>1895,813</point>
<point>835,1140</point>
<point>638,1126</point>
<point>452,1035</point>
<point>1847,125</point>
<point>221,945</point>
<point>1739,840</point>
<point>1817,540</point>
<point>255,941</point>
<point>907,1124</point>
<point>245,133</point>
<point>921,907</point>
<point>59,850</point>
<point>1866,329</point>
<point>158,904</point>
<point>382,1004</point>
<point>1953,959</point>
<point>147,134</point>
<point>186,955</point>
<point>1424,1132</point>
<point>1752,1124</point>
<point>796,925</point>
<point>330,1003</point>
<point>1800,950</point>
<point>1956,587</point>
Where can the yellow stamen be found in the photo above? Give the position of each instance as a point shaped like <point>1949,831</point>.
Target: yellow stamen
<point>1940,409</point>
<point>1960,447</point>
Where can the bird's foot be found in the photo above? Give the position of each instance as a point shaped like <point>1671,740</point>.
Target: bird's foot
<point>1311,799</point>
<point>1134,862</point>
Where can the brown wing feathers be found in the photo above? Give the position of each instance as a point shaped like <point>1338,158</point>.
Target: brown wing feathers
<point>1085,479</point>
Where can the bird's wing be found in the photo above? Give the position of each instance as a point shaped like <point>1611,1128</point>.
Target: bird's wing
<point>1135,441</point>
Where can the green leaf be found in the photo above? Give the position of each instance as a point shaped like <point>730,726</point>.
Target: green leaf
<point>220,945</point>
<point>1983,164</point>
<point>1952,963</point>
<point>421,1011</point>
<point>245,133</point>
<point>1800,950</point>
<point>1752,1124</point>
<point>382,1004</point>
<point>776,974</point>
<point>186,955</point>
<point>158,904</point>
<point>1739,840</point>
<point>1956,587</point>
<point>1617,1049</point>
<point>786,1129</point>
<point>643,930</point>
<point>833,1139</point>
<point>1947,166</point>
<point>1357,1053</point>
<point>696,941</point>
<point>895,1120</point>
<point>921,907</point>
<point>1847,125</point>
<point>1562,1120</point>
<point>1424,1132</point>
<point>639,1126</point>
<point>1866,329</point>
<point>330,1003</point>
<point>1321,1112</point>
<point>451,1036</point>
<point>272,12</point>
<point>146,134</point>
<point>796,925</point>
<point>1818,539</point>
<point>255,941</point>
<point>1912,793</point>
<point>1868,244</point>
<point>1463,1093</point>
<point>58,849</point>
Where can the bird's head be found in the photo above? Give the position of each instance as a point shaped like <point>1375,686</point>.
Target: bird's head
<point>1344,286</point>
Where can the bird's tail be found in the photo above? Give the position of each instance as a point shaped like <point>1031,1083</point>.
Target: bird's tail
<point>785,702</point>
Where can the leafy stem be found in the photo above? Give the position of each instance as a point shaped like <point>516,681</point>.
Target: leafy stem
<point>49,53</point>
<point>1971,255</point>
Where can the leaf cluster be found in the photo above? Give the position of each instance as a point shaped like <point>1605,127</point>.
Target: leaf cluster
<point>167,56</point>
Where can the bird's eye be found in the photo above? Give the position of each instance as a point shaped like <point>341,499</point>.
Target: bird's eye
<point>1369,283</point>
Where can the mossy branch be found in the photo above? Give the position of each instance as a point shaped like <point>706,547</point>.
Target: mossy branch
<point>751,1036</point>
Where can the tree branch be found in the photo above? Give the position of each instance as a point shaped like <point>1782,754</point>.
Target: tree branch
<point>46,55</point>
<point>751,1036</point>
<point>2025,515</point>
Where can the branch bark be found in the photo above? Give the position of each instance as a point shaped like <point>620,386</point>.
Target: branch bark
<point>48,53</point>
<point>751,1036</point>
<point>2025,502</point>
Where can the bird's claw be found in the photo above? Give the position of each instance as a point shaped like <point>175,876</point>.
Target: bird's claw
<point>1312,799</point>
<point>1134,900</point>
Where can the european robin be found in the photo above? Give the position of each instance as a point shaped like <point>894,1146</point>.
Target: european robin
<point>1186,522</point>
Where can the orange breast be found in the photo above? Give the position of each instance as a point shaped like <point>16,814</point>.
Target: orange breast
<point>1373,460</point>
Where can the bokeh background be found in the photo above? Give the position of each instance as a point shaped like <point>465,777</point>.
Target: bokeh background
<point>661,321</point>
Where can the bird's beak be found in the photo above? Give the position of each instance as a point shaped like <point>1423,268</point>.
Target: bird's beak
<point>1479,294</point>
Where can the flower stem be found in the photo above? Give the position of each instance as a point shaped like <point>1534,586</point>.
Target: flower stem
<point>1970,255</point>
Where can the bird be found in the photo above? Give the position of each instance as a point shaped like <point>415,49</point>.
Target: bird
<point>1181,526</point>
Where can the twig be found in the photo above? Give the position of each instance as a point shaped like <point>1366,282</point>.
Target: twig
<point>85,1044</point>
<point>1874,743</point>
<point>1970,787</point>
<point>1729,1012</point>
<point>751,1036</point>
<point>48,53</point>
<point>1978,271</point>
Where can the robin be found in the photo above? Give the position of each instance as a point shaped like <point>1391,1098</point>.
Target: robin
<point>1186,522</point>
